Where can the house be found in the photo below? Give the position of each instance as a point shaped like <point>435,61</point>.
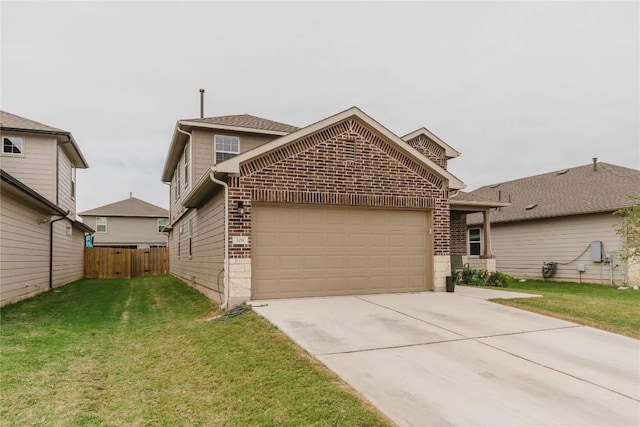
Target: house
<point>261,209</point>
<point>129,223</point>
<point>41,241</point>
<point>565,217</point>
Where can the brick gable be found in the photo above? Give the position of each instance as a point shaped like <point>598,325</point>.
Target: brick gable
<point>345,164</point>
<point>430,149</point>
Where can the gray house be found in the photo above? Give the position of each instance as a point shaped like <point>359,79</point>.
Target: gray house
<point>41,242</point>
<point>129,223</point>
<point>565,217</point>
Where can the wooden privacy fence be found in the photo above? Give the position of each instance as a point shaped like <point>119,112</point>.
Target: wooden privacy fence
<point>124,263</point>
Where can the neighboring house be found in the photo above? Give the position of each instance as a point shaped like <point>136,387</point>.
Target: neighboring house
<point>41,242</point>
<point>129,223</point>
<point>261,209</point>
<point>556,217</point>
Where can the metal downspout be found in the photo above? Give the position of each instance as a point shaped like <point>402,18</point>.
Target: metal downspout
<point>212,177</point>
<point>51,249</point>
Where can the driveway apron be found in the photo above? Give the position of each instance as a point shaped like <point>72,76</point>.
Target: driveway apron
<point>435,359</point>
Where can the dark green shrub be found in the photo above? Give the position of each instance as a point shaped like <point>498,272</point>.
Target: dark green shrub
<point>499,279</point>
<point>484,278</point>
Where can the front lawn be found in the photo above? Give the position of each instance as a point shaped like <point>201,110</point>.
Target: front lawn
<point>600,306</point>
<point>138,352</point>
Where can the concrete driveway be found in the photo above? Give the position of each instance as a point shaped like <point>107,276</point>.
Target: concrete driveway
<point>436,359</point>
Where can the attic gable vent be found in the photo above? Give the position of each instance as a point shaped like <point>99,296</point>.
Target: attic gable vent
<point>562,172</point>
<point>531,206</point>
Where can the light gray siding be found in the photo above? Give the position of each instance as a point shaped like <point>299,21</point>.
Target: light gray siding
<point>202,151</point>
<point>64,199</point>
<point>522,247</point>
<point>127,231</point>
<point>204,270</point>
<point>68,253</point>
<point>24,252</point>
<point>36,168</point>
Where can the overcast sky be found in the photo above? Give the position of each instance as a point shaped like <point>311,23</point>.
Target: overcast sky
<point>520,88</point>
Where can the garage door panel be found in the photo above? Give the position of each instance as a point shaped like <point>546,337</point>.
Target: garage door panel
<point>286,240</point>
<point>312,251</point>
<point>318,262</point>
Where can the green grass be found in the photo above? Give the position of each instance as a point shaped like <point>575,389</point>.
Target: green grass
<point>600,306</point>
<point>137,352</point>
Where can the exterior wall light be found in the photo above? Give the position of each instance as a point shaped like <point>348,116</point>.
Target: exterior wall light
<point>240,208</point>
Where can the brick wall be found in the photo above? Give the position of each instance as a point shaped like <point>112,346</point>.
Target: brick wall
<point>346,164</point>
<point>458,232</point>
<point>430,149</point>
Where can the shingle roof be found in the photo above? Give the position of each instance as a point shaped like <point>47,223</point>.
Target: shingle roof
<point>573,191</point>
<point>463,196</point>
<point>247,121</point>
<point>128,207</point>
<point>11,121</point>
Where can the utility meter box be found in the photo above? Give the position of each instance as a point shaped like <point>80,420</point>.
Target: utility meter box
<point>596,251</point>
<point>582,268</point>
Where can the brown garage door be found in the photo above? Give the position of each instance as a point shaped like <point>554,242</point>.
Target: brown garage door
<point>300,251</point>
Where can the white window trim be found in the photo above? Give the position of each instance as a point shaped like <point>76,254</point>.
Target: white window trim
<point>215,148</point>
<point>478,241</point>
<point>186,164</point>
<point>166,221</point>
<point>22,146</point>
<point>73,182</point>
<point>106,227</point>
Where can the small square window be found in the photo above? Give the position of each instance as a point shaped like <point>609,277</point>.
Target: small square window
<point>11,145</point>
<point>101,224</point>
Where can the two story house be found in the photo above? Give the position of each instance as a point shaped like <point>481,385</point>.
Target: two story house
<point>41,242</point>
<point>261,209</point>
<point>129,223</point>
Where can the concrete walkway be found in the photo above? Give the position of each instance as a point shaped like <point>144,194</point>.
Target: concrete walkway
<point>433,359</point>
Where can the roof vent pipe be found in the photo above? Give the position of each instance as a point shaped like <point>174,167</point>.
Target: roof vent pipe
<point>595,164</point>
<point>202,103</point>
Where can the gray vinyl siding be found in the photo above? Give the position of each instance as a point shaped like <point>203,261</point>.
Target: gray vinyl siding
<point>24,252</point>
<point>202,151</point>
<point>204,270</point>
<point>127,231</point>
<point>64,199</point>
<point>68,253</point>
<point>36,168</point>
<point>521,247</point>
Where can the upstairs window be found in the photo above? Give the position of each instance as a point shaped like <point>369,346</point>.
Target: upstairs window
<point>11,145</point>
<point>162,222</point>
<point>73,182</point>
<point>474,242</point>
<point>101,224</point>
<point>226,147</point>
<point>187,161</point>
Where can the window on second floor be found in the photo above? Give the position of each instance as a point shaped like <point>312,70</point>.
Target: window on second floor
<point>162,222</point>
<point>226,147</point>
<point>101,224</point>
<point>73,182</point>
<point>187,162</point>
<point>12,145</point>
<point>474,242</point>
<point>178,182</point>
